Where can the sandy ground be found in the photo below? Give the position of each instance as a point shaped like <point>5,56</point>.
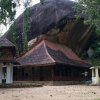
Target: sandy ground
<point>69,92</point>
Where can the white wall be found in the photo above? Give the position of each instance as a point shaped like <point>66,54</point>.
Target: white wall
<point>94,81</point>
<point>9,73</point>
<point>9,78</point>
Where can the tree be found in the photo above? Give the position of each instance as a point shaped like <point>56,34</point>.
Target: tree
<point>42,1</point>
<point>26,25</point>
<point>7,14</point>
<point>13,35</point>
<point>7,11</point>
<point>91,10</point>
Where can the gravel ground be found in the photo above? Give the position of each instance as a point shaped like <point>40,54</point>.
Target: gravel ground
<point>68,92</point>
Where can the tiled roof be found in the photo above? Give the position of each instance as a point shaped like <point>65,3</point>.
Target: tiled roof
<point>6,43</point>
<point>50,53</point>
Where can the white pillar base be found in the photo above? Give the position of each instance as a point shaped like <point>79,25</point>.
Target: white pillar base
<point>93,80</point>
<point>9,79</point>
<point>97,80</point>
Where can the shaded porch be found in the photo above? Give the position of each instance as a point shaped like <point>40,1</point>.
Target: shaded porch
<point>58,72</point>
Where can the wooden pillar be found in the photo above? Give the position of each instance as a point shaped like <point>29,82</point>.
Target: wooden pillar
<point>52,73</point>
<point>96,75</point>
<point>41,74</point>
<point>60,73</point>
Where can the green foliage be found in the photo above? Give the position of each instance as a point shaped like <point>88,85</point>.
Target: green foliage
<point>91,10</point>
<point>84,55</point>
<point>13,34</point>
<point>7,11</point>
<point>96,62</point>
<point>42,1</point>
<point>26,25</point>
<point>26,29</point>
<point>96,47</point>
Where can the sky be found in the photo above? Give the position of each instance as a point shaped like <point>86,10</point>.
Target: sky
<point>19,10</point>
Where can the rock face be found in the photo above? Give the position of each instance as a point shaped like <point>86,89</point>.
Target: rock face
<point>49,16</point>
<point>74,34</point>
<point>43,17</point>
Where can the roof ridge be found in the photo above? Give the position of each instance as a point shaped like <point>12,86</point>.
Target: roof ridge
<point>48,52</point>
<point>33,48</point>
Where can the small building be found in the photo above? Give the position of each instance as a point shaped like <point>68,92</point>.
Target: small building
<point>48,61</point>
<point>95,74</point>
<point>7,53</point>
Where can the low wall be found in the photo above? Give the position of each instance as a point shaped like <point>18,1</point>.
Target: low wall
<point>52,82</point>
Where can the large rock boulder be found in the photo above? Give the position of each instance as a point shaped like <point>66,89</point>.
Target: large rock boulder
<point>54,13</point>
<point>43,17</point>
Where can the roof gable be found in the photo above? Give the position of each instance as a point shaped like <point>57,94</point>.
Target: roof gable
<point>6,43</point>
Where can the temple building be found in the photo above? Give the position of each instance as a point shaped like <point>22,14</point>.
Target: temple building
<point>7,54</point>
<point>46,61</point>
<point>49,61</point>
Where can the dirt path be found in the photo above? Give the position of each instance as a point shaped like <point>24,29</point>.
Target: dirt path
<point>69,92</point>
